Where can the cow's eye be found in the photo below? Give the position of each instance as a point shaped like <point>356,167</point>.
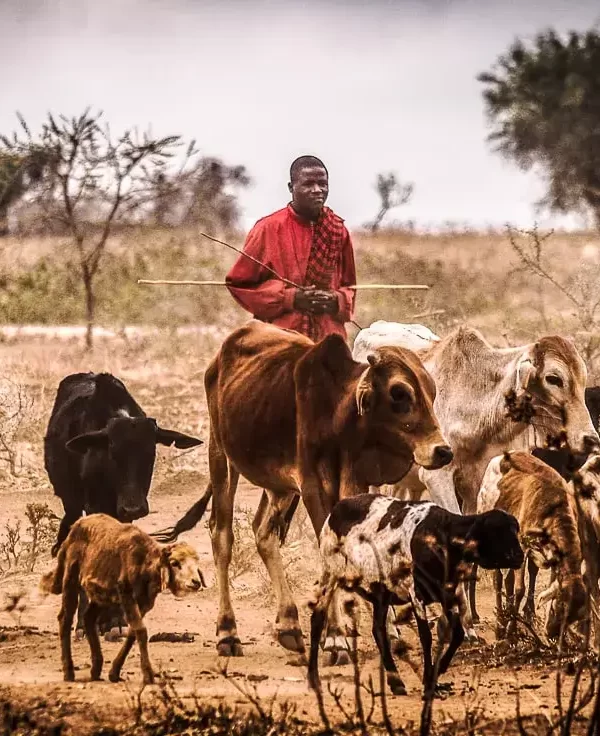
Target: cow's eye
<point>554,380</point>
<point>176,563</point>
<point>401,399</point>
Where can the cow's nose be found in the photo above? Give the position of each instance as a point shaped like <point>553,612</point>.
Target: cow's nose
<point>590,442</point>
<point>130,513</point>
<point>196,584</point>
<point>442,455</point>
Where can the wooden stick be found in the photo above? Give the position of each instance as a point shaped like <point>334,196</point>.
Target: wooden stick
<point>222,283</point>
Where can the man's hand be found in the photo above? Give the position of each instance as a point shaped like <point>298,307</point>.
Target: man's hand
<point>316,301</point>
<point>326,302</point>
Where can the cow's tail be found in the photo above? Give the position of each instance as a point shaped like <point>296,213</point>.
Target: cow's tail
<point>188,520</point>
<point>52,581</point>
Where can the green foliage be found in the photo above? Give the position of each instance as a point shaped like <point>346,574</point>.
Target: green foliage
<point>543,101</point>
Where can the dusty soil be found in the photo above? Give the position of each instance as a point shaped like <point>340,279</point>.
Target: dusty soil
<point>167,380</point>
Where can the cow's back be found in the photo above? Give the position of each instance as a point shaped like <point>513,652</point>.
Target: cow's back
<point>251,395</point>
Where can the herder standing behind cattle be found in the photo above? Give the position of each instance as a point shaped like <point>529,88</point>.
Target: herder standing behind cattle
<point>308,244</point>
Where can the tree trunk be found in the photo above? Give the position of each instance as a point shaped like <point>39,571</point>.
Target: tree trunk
<point>90,307</point>
<point>377,221</point>
<point>4,220</point>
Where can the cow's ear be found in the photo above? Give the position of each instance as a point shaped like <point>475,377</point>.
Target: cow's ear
<point>170,437</point>
<point>524,373</point>
<point>364,393</point>
<point>84,442</point>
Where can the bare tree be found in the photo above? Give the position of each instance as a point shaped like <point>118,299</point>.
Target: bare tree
<point>581,291</point>
<point>392,193</point>
<point>93,181</point>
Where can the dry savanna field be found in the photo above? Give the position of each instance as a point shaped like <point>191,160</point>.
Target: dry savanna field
<point>476,279</point>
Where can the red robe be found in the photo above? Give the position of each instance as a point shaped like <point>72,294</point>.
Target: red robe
<point>283,241</point>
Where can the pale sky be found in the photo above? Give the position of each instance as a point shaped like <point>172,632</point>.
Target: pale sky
<point>366,87</point>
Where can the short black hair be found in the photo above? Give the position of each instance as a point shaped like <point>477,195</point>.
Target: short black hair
<point>305,162</point>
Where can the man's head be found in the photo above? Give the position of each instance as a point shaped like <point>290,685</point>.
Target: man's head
<point>309,186</point>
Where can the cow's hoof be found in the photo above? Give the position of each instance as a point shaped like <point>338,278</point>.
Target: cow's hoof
<point>338,657</point>
<point>342,657</point>
<point>69,676</point>
<point>54,549</point>
<point>230,646</point>
<point>115,634</point>
<point>114,676</point>
<point>396,685</point>
<point>472,638</point>
<point>399,647</point>
<point>475,618</point>
<point>148,678</point>
<point>292,640</point>
<point>79,634</point>
<point>95,673</point>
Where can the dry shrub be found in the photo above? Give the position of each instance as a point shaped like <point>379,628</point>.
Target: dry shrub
<point>24,552</point>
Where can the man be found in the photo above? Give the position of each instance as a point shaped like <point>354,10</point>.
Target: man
<point>307,244</point>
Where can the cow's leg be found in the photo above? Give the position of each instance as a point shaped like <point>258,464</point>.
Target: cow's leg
<point>501,612</point>
<point>472,595</point>
<point>136,624</point>
<point>221,530</point>
<point>426,641</point>
<point>464,611</point>
<point>72,513</point>
<point>529,609</point>
<point>117,664</point>
<point>91,631</point>
<point>342,623</point>
<point>519,592</point>
<point>65,622</point>
<point>270,511</point>
<point>509,584</point>
<point>81,609</point>
<point>327,587</point>
<point>456,638</point>
<point>381,604</point>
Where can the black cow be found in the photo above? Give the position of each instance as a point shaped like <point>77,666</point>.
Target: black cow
<point>99,449</point>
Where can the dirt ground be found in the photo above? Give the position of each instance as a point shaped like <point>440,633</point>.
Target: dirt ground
<point>167,380</point>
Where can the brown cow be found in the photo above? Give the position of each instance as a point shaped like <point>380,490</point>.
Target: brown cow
<point>534,493</point>
<point>295,417</point>
<point>116,563</point>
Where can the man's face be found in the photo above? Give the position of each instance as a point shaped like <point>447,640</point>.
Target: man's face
<point>310,189</point>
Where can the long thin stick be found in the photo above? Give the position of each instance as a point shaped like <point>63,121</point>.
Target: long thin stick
<point>252,258</point>
<point>223,283</point>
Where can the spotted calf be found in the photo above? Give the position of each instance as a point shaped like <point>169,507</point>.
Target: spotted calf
<point>401,552</point>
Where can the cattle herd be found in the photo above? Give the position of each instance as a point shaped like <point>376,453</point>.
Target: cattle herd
<point>504,441</point>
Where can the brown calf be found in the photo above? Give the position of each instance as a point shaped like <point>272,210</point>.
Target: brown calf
<point>295,417</point>
<point>534,493</point>
<point>119,564</point>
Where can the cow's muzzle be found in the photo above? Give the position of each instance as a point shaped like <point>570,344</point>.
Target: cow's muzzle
<point>131,512</point>
<point>441,455</point>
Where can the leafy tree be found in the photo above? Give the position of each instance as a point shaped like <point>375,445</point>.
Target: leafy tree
<point>392,193</point>
<point>94,180</point>
<point>18,174</point>
<point>201,194</point>
<point>543,103</point>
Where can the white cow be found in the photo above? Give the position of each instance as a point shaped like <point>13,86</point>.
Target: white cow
<point>472,379</point>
